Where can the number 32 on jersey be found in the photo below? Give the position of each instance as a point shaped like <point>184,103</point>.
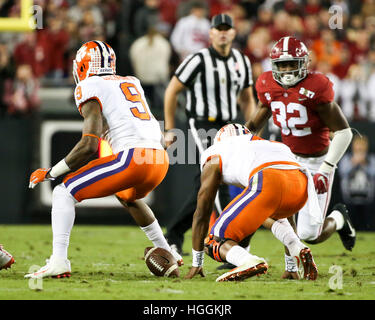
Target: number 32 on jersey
<point>133,95</point>
<point>288,123</point>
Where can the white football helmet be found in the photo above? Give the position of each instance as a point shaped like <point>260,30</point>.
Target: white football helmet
<point>230,130</point>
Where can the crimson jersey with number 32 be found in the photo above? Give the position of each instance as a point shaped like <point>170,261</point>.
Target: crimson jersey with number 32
<point>294,110</point>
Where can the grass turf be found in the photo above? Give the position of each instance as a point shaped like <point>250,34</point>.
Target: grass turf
<point>107,264</point>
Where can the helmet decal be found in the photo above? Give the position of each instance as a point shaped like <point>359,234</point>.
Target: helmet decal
<point>94,58</point>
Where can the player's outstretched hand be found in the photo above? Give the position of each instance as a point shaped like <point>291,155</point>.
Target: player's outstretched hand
<point>39,175</point>
<point>169,138</point>
<point>194,271</point>
<point>321,183</point>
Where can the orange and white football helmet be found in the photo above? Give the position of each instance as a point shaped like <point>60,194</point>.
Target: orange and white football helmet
<point>94,58</point>
<point>230,130</point>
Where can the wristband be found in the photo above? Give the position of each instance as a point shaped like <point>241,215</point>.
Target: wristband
<point>326,168</point>
<point>198,258</point>
<point>330,164</point>
<point>290,264</point>
<point>91,135</point>
<point>59,169</point>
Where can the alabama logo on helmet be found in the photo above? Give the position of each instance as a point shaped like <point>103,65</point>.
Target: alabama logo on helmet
<point>231,130</point>
<point>94,58</point>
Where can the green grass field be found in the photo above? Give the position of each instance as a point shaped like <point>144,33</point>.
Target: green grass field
<point>107,264</point>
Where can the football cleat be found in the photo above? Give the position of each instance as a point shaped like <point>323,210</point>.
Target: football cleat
<point>255,266</point>
<point>54,268</point>
<point>306,260</point>
<point>6,259</point>
<point>347,232</point>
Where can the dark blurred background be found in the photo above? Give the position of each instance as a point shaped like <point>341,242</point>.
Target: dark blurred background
<point>39,122</point>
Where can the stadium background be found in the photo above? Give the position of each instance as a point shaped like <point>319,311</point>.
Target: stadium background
<point>39,122</point>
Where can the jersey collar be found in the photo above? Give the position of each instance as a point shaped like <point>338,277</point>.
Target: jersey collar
<point>219,56</point>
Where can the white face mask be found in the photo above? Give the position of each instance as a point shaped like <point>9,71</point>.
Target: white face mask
<point>288,79</point>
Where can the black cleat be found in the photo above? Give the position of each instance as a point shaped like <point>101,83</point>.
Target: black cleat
<point>225,266</point>
<point>347,232</point>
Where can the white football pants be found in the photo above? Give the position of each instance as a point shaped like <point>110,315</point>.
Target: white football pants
<point>305,229</point>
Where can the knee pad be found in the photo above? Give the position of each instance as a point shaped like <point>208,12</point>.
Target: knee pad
<point>212,246</point>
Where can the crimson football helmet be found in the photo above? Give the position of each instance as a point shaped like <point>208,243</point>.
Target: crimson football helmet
<point>289,49</point>
<point>94,58</point>
<point>230,130</point>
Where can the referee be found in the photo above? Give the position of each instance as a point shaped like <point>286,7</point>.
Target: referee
<point>216,80</point>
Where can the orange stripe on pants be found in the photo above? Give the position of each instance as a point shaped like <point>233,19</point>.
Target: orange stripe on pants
<point>272,193</point>
<point>134,173</point>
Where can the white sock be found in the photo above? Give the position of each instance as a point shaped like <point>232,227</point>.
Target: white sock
<point>63,215</point>
<point>155,235</point>
<point>237,255</point>
<point>284,232</point>
<point>339,219</point>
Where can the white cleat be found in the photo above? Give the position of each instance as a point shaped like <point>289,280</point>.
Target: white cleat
<point>6,259</point>
<point>176,255</point>
<point>254,266</point>
<point>55,268</point>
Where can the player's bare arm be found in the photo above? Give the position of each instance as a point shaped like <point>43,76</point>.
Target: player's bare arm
<point>247,102</point>
<point>210,181</point>
<point>259,118</point>
<point>92,130</point>
<point>85,148</point>
<point>170,105</point>
<point>332,116</point>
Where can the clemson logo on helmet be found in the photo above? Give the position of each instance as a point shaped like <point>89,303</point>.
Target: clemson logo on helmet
<point>94,58</point>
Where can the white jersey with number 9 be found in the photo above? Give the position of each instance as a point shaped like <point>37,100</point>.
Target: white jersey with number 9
<point>129,122</point>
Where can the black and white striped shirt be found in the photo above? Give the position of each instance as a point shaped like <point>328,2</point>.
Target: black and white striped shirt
<point>213,83</point>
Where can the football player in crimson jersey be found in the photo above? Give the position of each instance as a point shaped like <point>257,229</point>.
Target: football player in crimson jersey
<point>302,105</point>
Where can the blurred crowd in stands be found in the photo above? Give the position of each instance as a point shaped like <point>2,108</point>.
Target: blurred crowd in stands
<point>151,37</point>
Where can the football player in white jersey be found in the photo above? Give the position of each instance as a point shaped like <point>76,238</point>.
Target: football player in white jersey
<point>275,186</point>
<point>113,108</point>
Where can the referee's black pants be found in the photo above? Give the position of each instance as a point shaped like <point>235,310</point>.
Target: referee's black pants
<point>184,218</point>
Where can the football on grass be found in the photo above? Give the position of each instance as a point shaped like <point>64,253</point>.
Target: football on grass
<point>161,262</point>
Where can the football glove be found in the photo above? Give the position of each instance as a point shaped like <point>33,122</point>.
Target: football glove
<point>39,176</point>
<point>321,182</point>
